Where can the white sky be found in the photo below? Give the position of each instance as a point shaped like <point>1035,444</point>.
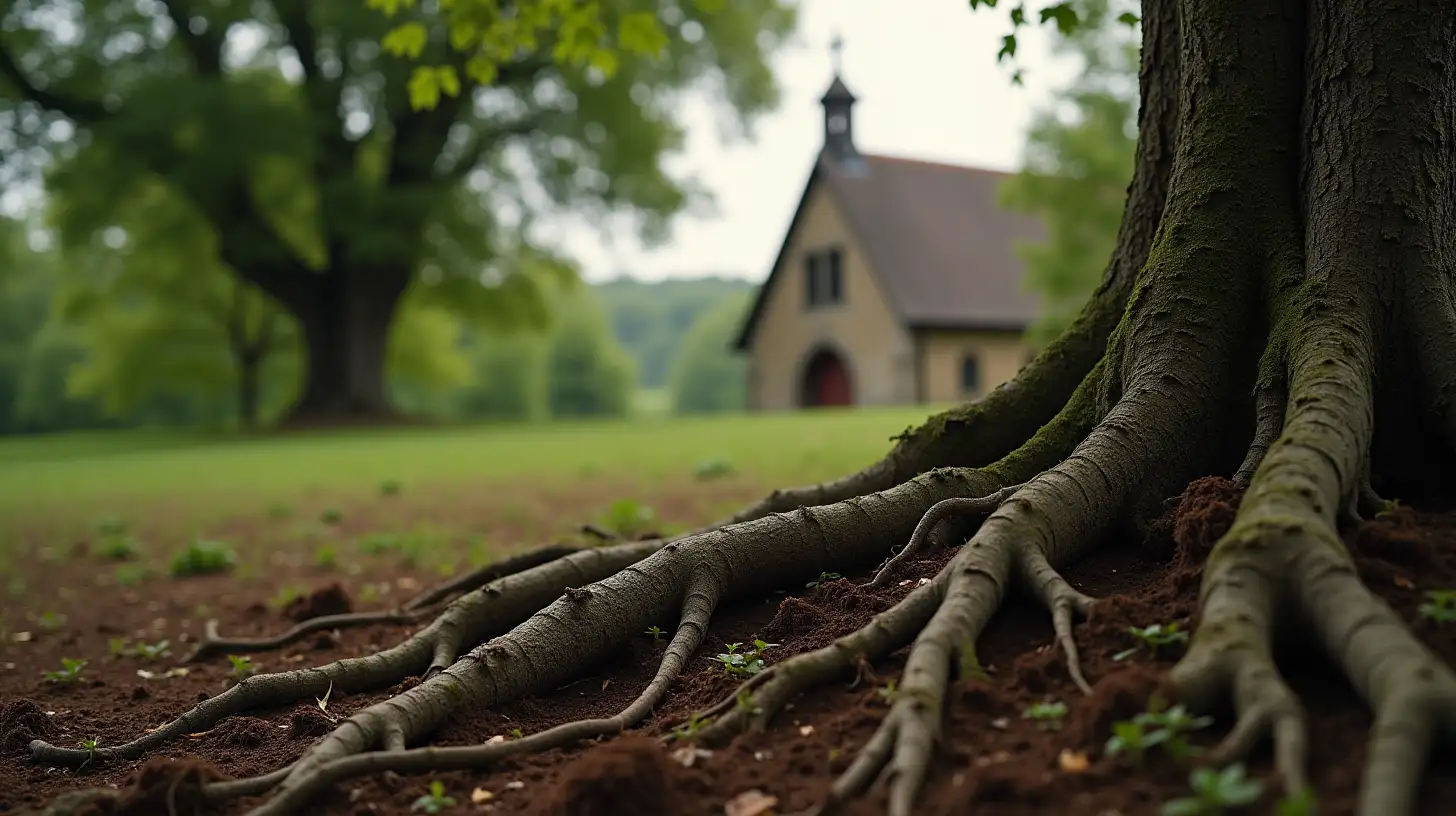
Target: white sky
<point>929,87</point>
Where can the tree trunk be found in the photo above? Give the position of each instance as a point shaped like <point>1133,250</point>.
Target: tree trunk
<point>1297,306</point>
<point>346,317</point>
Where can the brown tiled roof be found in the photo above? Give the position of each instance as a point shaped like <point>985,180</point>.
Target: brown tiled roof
<point>941,247</point>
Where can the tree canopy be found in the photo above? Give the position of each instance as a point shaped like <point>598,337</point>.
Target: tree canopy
<point>290,130</point>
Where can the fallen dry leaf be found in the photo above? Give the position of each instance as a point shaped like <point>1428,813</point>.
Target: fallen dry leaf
<point>750,803</point>
<point>480,796</point>
<point>497,738</point>
<point>806,730</point>
<point>605,683</point>
<point>515,785</point>
<point>1404,582</point>
<point>21,637</point>
<point>1072,761</point>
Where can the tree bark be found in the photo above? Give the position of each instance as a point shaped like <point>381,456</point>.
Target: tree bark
<point>346,315</point>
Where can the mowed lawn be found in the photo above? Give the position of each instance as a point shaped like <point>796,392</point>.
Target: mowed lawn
<point>513,484</point>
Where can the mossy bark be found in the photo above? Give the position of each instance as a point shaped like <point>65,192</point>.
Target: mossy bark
<point>1284,278</point>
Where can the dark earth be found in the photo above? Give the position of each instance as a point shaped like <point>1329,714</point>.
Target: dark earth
<point>994,762</point>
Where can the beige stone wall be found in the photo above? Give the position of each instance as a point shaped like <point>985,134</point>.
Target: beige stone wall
<point>863,328</point>
<point>1001,355</point>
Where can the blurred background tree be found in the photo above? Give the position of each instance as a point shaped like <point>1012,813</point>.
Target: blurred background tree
<point>1077,163</point>
<point>293,129</point>
<point>707,376</point>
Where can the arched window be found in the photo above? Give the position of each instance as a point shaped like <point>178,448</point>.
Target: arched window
<point>970,374</point>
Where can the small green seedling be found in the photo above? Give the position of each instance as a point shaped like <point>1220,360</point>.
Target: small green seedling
<point>688,730</point>
<point>746,663</point>
<point>743,701</point>
<point>285,596</point>
<point>1215,792</point>
<point>242,666</point>
<point>203,557</point>
<point>70,671</point>
<point>627,518</point>
<point>119,647</point>
<point>118,547</point>
<point>655,632</point>
<point>824,578</point>
<point>390,487</point>
<point>1048,716</point>
<point>50,621</point>
<point>1388,507</point>
<point>517,733</point>
<point>1168,728</point>
<point>435,801</point>
<point>326,556</point>
<point>889,692</point>
<point>332,515</point>
<point>710,469</point>
<point>1153,637</point>
<point>1440,606</point>
<point>89,746</point>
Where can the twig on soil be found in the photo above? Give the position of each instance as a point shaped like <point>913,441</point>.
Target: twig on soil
<point>936,514</point>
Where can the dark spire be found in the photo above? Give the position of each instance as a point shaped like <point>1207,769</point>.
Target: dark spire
<point>838,115</point>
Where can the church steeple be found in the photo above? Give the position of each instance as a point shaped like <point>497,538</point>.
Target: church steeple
<point>838,103</point>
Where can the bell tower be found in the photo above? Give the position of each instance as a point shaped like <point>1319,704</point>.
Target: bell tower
<point>838,105</point>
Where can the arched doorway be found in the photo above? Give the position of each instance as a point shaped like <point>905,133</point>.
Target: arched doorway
<point>826,381</point>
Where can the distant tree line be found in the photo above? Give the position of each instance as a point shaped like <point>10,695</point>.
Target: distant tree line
<point>74,357</point>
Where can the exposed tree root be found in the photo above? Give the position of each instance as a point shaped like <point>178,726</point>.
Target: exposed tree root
<point>416,609</point>
<point>297,789</point>
<point>933,517</point>
<point>490,611</point>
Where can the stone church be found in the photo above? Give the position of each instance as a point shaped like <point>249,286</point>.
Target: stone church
<point>897,282</point>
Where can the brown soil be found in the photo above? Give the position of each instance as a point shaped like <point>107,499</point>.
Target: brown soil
<point>994,762</point>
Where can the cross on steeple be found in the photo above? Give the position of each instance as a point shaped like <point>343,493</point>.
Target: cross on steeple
<point>836,48</point>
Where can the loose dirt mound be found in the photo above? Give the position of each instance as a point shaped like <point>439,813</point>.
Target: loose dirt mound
<point>20,722</point>
<point>329,600</point>
<point>629,775</point>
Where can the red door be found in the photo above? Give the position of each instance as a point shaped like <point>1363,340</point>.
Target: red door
<point>826,381</point>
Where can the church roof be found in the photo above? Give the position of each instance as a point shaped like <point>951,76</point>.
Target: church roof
<point>838,92</point>
<point>940,246</point>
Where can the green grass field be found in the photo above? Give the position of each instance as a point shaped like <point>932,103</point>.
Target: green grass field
<point>65,482</point>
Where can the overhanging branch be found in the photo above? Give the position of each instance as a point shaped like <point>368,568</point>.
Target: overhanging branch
<point>204,48</point>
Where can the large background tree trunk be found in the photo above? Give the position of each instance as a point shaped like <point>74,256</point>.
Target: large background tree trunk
<point>346,318</point>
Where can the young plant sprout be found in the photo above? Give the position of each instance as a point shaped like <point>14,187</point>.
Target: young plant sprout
<point>1440,606</point>
<point>890,691</point>
<point>435,801</point>
<point>70,671</point>
<point>1153,637</point>
<point>655,632</point>
<point>242,666</point>
<point>747,663</point>
<point>824,578</point>
<point>1048,716</point>
<point>1215,792</point>
<point>89,746</point>
<point>1168,728</point>
<point>696,722</point>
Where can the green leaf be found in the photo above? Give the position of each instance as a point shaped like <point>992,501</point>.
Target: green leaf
<point>1008,47</point>
<point>389,7</point>
<point>1064,15</point>
<point>406,40</point>
<point>424,88</point>
<point>449,81</point>
<point>639,33</point>
<point>1018,16</point>
<point>482,69</point>
<point>1128,19</point>
<point>975,4</point>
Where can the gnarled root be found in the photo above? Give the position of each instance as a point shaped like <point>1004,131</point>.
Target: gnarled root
<point>419,608</point>
<point>489,611</point>
<point>933,517</point>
